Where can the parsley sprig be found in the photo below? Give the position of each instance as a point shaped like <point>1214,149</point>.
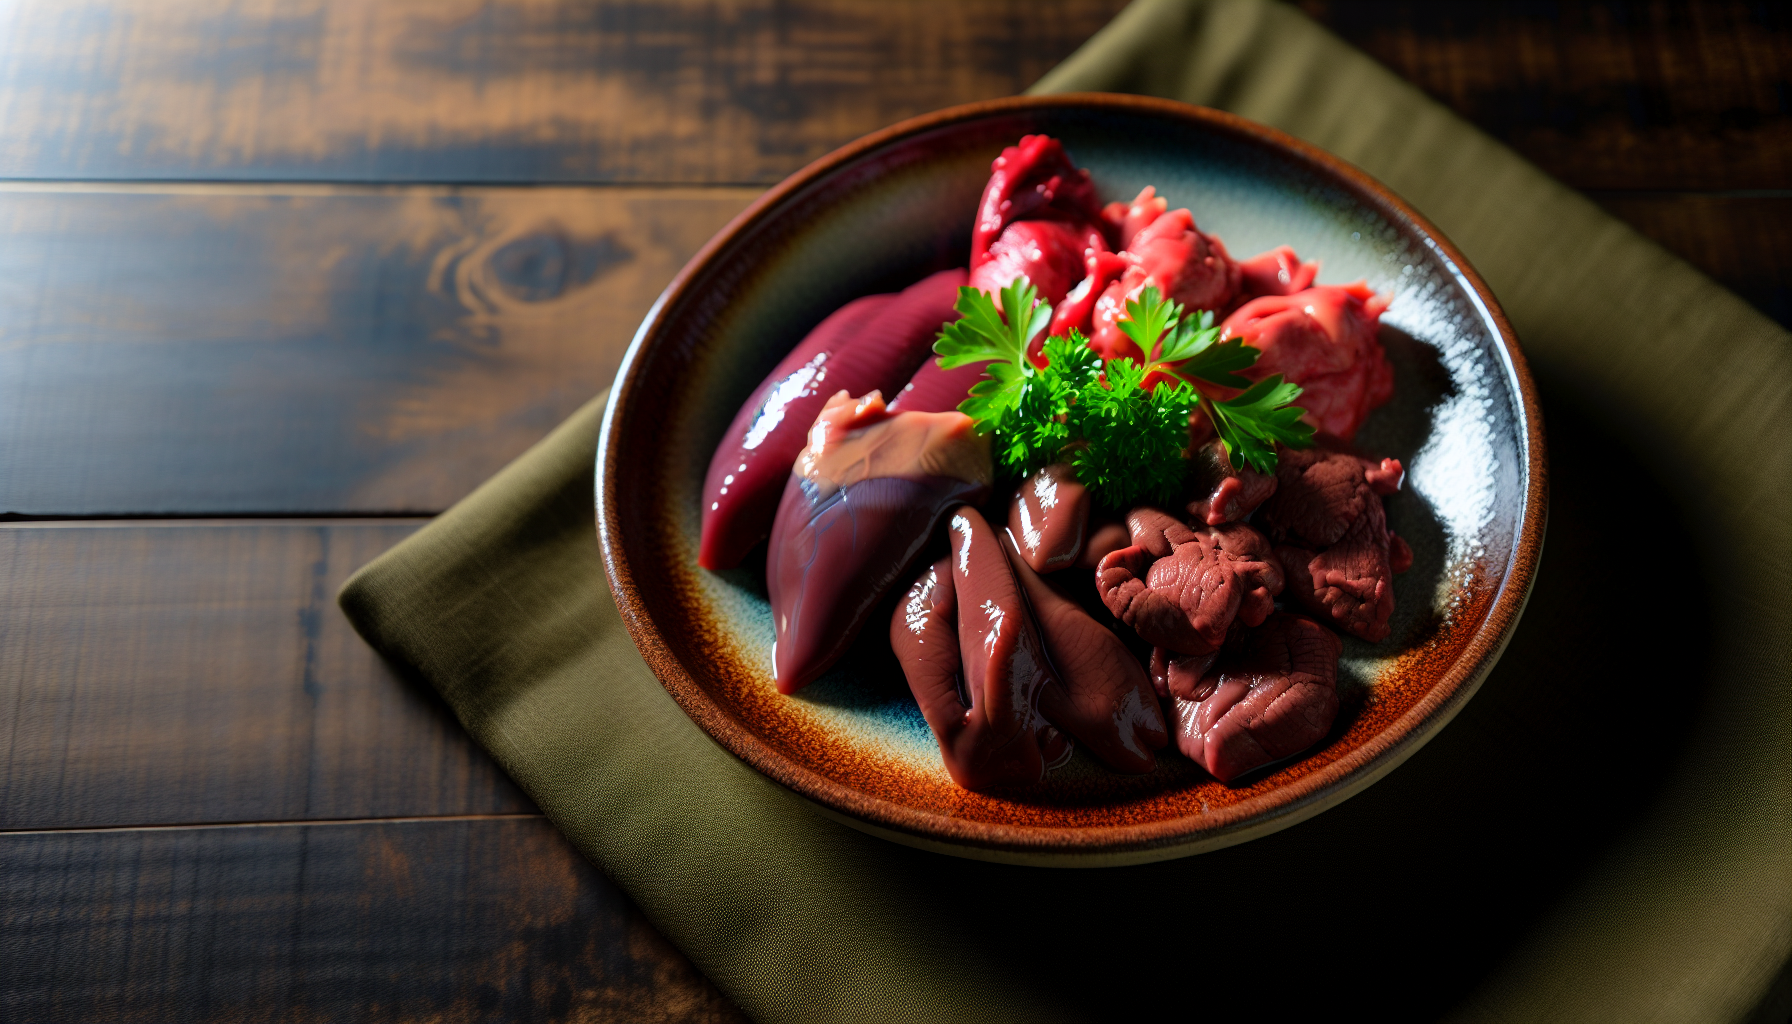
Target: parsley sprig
<point>1250,424</point>
<point>1127,439</point>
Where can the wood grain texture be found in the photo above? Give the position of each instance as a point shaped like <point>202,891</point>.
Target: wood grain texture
<point>1745,242</point>
<point>185,673</point>
<point>312,350</point>
<point>1603,94</point>
<point>448,920</point>
<point>686,91</point>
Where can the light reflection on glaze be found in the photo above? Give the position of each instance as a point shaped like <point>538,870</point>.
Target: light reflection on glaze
<point>806,381</point>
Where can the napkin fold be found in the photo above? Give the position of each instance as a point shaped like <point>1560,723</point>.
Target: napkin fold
<point>1604,833</point>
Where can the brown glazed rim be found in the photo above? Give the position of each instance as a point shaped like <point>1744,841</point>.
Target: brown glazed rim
<point>1069,846</point>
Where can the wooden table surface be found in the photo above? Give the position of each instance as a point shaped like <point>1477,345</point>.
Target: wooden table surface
<point>278,282</point>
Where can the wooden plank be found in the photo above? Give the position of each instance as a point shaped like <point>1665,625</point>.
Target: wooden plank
<point>690,91</point>
<point>494,919</point>
<point>1604,95</point>
<point>1743,241</point>
<point>192,672</point>
<point>312,349</point>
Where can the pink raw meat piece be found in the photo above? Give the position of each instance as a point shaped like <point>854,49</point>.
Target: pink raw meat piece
<point>1323,339</point>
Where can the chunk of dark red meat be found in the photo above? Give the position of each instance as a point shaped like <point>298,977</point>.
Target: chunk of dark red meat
<point>1032,180</point>
<point>1272,693</point>
<point>1181,587</point>
<point>835,558</point>
<point>861,502</point>
<point>1049,254</point>
<point>1048,518</point>
<point>988,717</point>
<point>1106,699</point>
<point>1332,539</point>
<point>873,343</point>
<point>1224,494</point>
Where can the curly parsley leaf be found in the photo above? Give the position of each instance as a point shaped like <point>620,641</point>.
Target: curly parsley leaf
<point>1134,439</point>
<point>1253,423</point>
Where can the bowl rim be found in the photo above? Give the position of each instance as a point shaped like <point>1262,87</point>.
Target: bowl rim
<point>1071,845</point>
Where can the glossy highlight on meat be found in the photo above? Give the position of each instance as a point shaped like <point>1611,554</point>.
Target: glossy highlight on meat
<point>1048,517</point>
<point>1105,700</point>
<point>873,343</point>
<point>1323,339</point>
<point>988,717</point>
<point>1181,587</point>
<point>1271,693</point>
<point>858,508</point>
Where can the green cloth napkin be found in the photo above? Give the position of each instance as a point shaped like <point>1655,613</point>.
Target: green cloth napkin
<point>1605,833</point>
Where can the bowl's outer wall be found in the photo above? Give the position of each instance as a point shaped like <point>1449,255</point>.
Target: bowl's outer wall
<point>883,212</point>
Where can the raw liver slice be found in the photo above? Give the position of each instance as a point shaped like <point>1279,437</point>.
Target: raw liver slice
<point>1105,699</point>
<point>860,503</point>
<point>873,343</point>
<point>1001,738</point>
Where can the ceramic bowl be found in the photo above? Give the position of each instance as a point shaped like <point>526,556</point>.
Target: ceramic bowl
<point>881,212</point>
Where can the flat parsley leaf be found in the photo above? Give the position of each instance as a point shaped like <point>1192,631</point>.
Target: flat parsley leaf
<point>986,333</point>
<point>1128,442</point>
<point>1252,424</point>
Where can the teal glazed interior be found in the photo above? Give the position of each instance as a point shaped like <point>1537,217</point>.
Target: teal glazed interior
<point>900,205</point>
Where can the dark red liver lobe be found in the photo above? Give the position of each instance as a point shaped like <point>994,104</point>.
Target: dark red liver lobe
<point>1272,693</point>
<point>873,343</point>
<point>995,734</point>
<point>834,557</point>
<point>1106,700</point>
<point>1048,517</point>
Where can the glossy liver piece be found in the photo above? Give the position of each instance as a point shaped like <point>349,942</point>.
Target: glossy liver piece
<point>1003,737</point>
<point>873,343</point>
<point>1048,517</point>
<point>859,506</point>
<point>1106,700</point>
